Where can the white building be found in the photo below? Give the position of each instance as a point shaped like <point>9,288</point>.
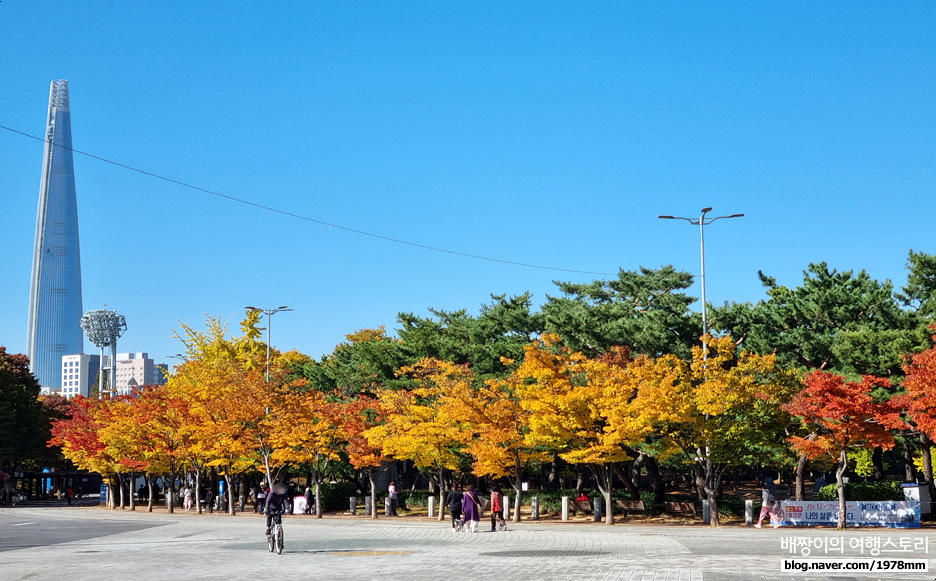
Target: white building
<point>135,369</point>
<point>80,373</point>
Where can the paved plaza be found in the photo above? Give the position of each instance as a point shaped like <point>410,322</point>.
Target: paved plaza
<point>92,543</point>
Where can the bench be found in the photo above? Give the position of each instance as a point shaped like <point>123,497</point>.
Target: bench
<point>631,506</point>
<point>581,506</point>
<point>679,507</point>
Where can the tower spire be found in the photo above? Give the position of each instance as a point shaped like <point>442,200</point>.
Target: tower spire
<point>55,284</point>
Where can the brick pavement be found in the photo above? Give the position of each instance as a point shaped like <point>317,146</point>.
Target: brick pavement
<point>202,547</point>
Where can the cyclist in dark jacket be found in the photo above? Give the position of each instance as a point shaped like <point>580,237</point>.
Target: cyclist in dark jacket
<point>275,503</point>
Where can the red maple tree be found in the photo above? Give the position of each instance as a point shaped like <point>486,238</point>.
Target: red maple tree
<point>844,416</point>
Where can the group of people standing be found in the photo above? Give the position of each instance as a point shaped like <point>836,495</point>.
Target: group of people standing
<point>466,508</point>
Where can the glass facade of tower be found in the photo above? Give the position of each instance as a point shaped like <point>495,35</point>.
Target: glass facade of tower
<point>55,287</point>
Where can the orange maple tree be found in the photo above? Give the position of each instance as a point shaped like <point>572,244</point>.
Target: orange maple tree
<point>361,415</point>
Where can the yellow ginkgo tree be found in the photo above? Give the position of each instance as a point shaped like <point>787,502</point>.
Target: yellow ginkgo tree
<point>417,426</point>
<point>571,400</point>
<point>712,410</point>
<point>497,423</point>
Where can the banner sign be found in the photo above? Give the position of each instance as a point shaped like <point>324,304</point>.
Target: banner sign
<point>876,513</point>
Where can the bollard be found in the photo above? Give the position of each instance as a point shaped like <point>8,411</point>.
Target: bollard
<point>386,505</point>
<point>565,508</point>
<point>352,505</point>
<point>597,505</point>
<point>748,512</point>
<point>706,513</point>
<point>506,513</point>
<point>534,508</point>
<point>431,506</point>
<point>367,506</point>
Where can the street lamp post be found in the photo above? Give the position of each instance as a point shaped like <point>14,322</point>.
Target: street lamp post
<point>264,450</point>
<point>702,222</point>
<point>269,313</point>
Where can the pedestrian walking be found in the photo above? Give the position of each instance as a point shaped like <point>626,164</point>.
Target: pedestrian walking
<point>210,499</point>
<point>392,491</point>
<point>68,495</point>
<point>454,503</point>
<point>471,508</point>
<point>261,499</point>
<point>309,496</point>
<point>188,497</point>
<point>768,503</point>
<point>497,507</point>
<point>290,498</point>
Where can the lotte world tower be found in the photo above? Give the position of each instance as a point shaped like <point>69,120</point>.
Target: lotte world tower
<point>55,285</point>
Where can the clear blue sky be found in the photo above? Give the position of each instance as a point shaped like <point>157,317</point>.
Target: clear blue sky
<point>547,133</point>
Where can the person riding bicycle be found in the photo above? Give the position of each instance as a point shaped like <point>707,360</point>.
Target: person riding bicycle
<point>275,503</point>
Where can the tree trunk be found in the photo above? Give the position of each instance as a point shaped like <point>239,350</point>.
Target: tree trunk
<point>657,485</point>
<point>318,497</point>
<point>198,491</point>
<point>441,494</point>
<point>801,461</point>
<point>628,482</point>
<point>172,495</point>
<point>229,490</point>
<point>840,486</point>
<point>604,479</point>
<point>699,482</point>
<point>132,491</point>
<point>909,467</point>
<point>925,444</point>
<point>877,460</point>
<point>714,521</point>
<point>243,492</point>
<point>708,476</point>
<point>372,476</point>
<point>149,492</point>
<point>553,479</point>
<point>109,487</point>
<point>518,488</point>
<point>579,482</point>
<point>120,488</point>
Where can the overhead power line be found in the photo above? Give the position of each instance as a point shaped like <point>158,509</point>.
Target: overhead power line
<point>306,218</point>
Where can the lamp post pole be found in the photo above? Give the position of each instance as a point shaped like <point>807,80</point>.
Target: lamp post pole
<point>180,357</point>
<point>702,222</point>
<point>269,313</point>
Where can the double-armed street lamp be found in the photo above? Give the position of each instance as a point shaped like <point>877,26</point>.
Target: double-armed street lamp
<point>182,358</point>
<point>702,222</point>
<point>269,313</point>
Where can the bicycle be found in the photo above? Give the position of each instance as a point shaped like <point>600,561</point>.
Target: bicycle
<point>275,536</point>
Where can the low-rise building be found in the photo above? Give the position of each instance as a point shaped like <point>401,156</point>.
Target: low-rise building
<point>80,373</point>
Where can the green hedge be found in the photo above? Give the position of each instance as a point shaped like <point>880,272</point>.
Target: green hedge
<point>885,490</point>
<point>335,495</point>
<point>410,499</point>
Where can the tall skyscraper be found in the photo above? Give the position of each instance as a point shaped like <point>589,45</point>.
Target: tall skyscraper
<point>55,287</point>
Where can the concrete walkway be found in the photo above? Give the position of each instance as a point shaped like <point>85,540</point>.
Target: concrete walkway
<point>92,543</point>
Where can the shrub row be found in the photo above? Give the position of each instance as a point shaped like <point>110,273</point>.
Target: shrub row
<point>335,495</point>
<point>550,501</point>
<point>864,491</point>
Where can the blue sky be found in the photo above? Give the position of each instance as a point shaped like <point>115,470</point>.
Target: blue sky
<point>546,133</point>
